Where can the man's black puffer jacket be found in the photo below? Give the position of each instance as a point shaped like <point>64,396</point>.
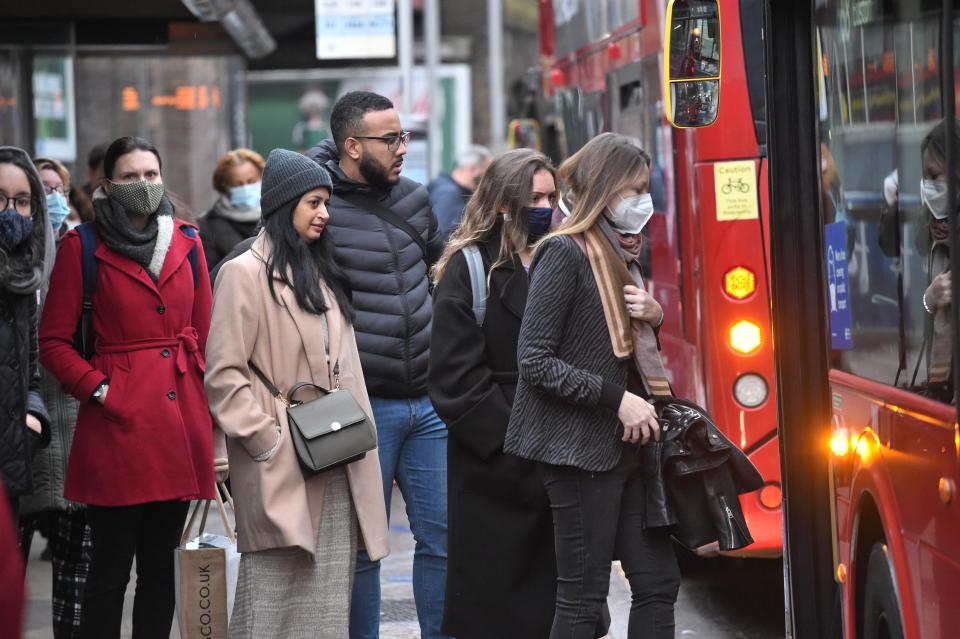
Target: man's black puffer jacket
<point>388,276</point>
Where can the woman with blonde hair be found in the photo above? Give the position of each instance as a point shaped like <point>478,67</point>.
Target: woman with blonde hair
<point>235,214</point>
<point>500,567</point>
<point>589,362</point>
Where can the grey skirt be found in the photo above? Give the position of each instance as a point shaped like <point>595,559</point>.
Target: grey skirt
<point>282,593</point>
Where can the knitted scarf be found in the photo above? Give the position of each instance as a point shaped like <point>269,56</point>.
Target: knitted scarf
<point>148,247</point>
<point>628,337</point>
<point>223,208</point>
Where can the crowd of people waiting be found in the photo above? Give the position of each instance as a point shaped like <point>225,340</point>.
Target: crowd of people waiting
<point>492,354</point>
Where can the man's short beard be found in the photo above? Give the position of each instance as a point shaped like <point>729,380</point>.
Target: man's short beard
<point>375,173</point>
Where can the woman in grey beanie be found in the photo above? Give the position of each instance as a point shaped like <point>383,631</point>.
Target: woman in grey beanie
<point>284,305</point>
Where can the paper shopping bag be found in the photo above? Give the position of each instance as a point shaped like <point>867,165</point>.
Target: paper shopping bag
<point>206,576</point>
<point>202,589</point>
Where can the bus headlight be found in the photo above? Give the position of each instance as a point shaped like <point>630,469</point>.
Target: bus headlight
<point>750,390</point>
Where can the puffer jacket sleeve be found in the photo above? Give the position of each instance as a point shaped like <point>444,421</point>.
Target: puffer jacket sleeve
<point>234,327</point>
<point>555,272</point>
<point>35,404</point>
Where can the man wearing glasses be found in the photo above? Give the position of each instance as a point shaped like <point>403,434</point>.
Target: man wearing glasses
<point>386,240</point>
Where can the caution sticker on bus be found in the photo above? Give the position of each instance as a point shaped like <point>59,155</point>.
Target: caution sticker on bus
<point>735,186</point>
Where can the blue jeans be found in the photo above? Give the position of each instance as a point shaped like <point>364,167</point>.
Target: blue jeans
<point>412,442</point>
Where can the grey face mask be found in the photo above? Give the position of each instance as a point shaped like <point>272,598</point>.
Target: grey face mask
<point>140,198</point>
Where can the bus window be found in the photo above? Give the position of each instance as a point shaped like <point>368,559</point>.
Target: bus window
<point>881,159</point>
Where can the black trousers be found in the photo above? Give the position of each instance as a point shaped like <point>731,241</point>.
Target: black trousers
<point>150,532</point>
<point>599,517</point>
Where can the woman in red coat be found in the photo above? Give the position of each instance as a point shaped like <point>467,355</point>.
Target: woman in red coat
<point>143,445</point>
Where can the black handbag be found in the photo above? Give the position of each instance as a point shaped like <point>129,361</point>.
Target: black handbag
<point>329,431</point>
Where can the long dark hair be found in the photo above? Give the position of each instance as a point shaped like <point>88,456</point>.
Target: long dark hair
<point>124,145</point>
<point>307,263</point>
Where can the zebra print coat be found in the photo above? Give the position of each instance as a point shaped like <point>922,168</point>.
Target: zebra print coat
<point>571,383</point>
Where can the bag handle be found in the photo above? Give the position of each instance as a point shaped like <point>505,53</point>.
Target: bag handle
<point>297,387</point>
<point>205,504</point>
<point>288,399</point>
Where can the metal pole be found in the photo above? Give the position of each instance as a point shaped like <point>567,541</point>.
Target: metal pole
<point>498,106</point>
<point>405,56</point>
<point>431,16</point>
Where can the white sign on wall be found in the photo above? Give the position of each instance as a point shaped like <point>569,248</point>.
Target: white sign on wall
<point>350,29</point>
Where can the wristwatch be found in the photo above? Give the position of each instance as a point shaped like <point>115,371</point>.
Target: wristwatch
<point>98,392</point>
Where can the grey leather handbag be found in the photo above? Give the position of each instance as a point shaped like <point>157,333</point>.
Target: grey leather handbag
<point>329,431</point>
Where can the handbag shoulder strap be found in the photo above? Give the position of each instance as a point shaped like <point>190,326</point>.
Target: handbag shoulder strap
<point>384,213</point>
<point>266,381</point>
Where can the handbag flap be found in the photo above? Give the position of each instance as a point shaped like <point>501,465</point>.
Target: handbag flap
<point>328,414</point>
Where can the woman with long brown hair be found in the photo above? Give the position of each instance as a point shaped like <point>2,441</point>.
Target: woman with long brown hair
<point>589,362</point>
<point>500,564</point>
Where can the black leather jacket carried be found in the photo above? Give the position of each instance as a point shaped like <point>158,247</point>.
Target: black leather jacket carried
<point>693,477</point>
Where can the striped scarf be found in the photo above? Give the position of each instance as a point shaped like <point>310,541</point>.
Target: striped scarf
<point>628,337</point>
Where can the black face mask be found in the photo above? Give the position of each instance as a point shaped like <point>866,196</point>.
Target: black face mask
<point>538,222</point>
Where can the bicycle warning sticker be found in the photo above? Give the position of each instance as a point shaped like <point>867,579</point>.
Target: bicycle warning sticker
<point>735,185</point>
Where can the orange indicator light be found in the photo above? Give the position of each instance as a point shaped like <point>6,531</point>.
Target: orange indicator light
<point>739,283</point>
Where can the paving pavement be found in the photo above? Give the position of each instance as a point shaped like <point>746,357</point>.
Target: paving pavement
<point>719,599</point>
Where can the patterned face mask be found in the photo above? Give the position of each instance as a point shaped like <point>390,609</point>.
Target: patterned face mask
<point>14,229</point>
<point>140,198</point>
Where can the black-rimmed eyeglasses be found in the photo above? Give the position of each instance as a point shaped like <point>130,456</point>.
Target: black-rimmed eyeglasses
<point>22,203</point>
<point>62,190</point>
<point>393,142</point>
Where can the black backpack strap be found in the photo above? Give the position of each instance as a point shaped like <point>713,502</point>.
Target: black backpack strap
<point>379,209</point>
<point>193,255</point>
<point>83,338</point>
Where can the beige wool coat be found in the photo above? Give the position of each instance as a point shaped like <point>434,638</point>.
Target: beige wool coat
<point>277,506</point>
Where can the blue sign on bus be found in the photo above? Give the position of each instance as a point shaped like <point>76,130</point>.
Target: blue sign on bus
<point>838,290</point>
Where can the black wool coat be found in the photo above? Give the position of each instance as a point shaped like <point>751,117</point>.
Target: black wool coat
<point>19,391</point>
<point>501,569</point>
<point>220,235</point>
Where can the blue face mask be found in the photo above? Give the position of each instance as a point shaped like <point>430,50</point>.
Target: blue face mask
<point>538,222</point>
<point>14,229</point>
<point>58,209</point>
<point>245,196</point>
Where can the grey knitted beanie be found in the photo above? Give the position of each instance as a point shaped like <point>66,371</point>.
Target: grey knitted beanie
<point>288,175</point>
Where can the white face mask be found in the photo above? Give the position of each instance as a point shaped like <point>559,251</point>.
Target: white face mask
<point>933,193</point>
<point>632,213</point>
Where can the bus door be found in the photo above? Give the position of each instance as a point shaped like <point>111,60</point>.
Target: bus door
<point>634,109</point>
<point>884,133</point>
<point>863,165</point>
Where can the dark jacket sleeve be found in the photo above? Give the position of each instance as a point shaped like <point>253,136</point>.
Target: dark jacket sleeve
<point>447,205</point>
<point>238,250</point>
<point>208,236</point>
<point>555,274</point>
<point>436,241</point>
<point>460,382</point>
<point>35,405</point>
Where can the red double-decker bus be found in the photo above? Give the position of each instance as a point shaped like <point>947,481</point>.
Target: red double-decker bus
<point>707,258</point>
